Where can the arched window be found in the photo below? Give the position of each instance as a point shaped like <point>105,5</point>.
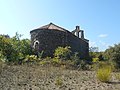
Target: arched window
<point>36,44</point>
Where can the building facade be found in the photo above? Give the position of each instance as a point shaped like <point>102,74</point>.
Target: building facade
<point>47,38</point>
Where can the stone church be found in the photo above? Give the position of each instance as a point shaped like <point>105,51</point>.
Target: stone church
<point>47,38</point>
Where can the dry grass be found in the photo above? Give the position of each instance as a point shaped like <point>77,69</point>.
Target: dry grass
<point>104,74</point>
<point>36,77</point>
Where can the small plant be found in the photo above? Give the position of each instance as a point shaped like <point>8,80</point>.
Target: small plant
<point>104,73</point>
<point>75,57</point>
<point>62,53</point>
<point>2,57</point>
<point>55,61</point>
<point>58,81</point>
<point>103,64</point>
<point>40,54</point>
<point>94,60</point>
<point>117,76</point>
<point>43,62</point>
<point>31,58</point>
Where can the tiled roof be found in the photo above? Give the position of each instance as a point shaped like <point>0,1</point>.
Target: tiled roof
<point>52,27</point>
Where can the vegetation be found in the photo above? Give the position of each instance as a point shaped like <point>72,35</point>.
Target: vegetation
<point>117,75</point>
<point>95,55</point>
<point>58,81</point>
<point>62,53</point>
<point>104,73</point>
<point>30,58</point>
<point>16,50</point>
<point>13,49</point>
<point>113,54</point>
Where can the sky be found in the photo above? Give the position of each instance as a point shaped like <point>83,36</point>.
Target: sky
<point>100,19</point>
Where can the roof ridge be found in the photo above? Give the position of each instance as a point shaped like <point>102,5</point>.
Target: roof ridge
<point>52,26</point>
<point>57,26</point>
<point>49,24</point>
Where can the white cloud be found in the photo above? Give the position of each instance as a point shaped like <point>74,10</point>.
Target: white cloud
<point>103,35</point>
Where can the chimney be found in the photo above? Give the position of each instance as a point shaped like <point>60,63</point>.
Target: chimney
<point>82,34</point>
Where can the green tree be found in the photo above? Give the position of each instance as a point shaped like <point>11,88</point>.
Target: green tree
<point>113,54</point>
<point>13,48</point>
<point>95,54</point>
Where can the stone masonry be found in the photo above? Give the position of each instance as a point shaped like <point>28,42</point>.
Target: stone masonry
<point>47,38</point>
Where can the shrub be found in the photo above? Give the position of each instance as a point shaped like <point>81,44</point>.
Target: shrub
<point>75,57</point>
<point>40,54</point>
<point>117,76</point>
<point>2,57</point>
<point>31,58</point>
<point>44,62</point>
<point>62,53</point>
<point>58,81</point>
<point>103,64</point>
<point>94,60</point>
<point>79,63</point>
<point>6,47</point>
<point>14,49</point>
<point>56,61</point>
<point>113,54</point>
<point>104,74</point>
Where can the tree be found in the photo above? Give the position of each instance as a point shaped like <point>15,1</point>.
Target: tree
<point>13,48</point>
<point>113,54</point>
<point>95,54</point>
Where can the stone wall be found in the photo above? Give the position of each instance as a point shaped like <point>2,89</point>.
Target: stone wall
<point>49,40</point>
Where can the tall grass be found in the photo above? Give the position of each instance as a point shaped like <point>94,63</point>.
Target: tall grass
<point>104,71</point>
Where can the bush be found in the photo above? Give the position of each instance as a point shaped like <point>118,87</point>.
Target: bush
<point>58,81</point>
<point>117,76</point>
<point>103,64</point>
<point>94,60</point>
<point>62,53</point>
<point>2,57</point>
<point>75,57</point>
<point>104,71</point>
<point>14,49</point>
<point>56,61</point>
<point>113,54</point>
<point>31,58</point>
<point>44,62</point>
<point>94,53</point>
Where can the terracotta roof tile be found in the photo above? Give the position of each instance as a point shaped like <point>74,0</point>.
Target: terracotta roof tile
<point>52,26</point>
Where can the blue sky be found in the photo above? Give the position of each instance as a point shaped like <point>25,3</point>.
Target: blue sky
<point>100,19</point>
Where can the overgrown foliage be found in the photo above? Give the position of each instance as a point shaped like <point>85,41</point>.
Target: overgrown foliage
<point>95,55</point>
<point>62,53</point>
<point>113,54</point>
<point>13,49</point>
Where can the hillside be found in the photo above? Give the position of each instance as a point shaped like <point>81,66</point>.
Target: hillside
<point>36,77</point>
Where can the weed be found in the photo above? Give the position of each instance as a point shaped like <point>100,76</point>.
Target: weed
<point>117,76</point>
<point>104,74</point>
<point>58,81</point>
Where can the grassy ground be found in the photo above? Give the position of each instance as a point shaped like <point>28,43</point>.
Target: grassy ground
<point>36,77</point>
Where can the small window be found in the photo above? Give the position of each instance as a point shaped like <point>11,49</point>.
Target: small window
<point>36,43</point>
